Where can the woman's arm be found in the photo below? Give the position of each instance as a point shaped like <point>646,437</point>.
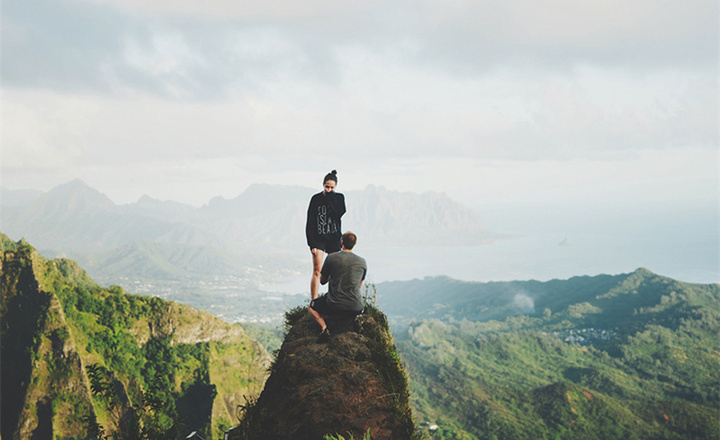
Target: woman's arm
<point>336,202</point>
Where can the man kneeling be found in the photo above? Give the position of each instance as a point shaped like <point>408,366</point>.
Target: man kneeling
<point>345,271</point>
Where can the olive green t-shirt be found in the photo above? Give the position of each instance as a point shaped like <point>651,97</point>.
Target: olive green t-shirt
<point>345,271</point>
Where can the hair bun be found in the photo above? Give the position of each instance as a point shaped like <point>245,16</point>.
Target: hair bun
<point>331,176</point>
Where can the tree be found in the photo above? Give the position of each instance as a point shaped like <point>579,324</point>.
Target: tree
<point>134,422</point>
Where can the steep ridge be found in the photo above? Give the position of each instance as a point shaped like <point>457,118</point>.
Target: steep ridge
<point>56,323</point>
<point>353,385</point>
<point>39,357</point>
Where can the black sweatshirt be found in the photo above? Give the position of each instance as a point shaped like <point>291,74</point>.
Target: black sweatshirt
<point>323,218</point>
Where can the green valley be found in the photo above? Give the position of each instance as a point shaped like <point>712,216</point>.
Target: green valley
<point>622,357</point>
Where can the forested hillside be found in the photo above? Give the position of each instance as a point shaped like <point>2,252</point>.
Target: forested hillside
<point>61,332</point>
<point>632,356</point>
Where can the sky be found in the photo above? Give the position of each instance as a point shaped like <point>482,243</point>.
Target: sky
<point>491,102</point>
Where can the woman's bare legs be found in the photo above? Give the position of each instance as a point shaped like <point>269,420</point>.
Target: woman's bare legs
<point>317,259</point>
<point>318,318</point>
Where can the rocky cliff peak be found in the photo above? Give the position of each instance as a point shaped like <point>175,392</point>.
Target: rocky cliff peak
<point>352,385</point>
<point>57,324</point>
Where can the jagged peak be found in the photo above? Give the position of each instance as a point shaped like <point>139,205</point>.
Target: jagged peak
<point>146,199</point>
<point>353,384</point>
<point>73,186</point>
<point>77,190</point>
<point>641,271</point>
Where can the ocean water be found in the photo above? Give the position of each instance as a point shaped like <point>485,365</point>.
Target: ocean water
<point>679,242</point>
<point>542,258</point>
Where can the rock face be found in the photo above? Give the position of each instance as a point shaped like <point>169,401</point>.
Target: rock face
<point>352,385</point>
<point>39,356</point>
<point>56,323</point>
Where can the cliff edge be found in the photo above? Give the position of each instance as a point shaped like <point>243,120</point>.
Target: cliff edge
<point>351,386</point>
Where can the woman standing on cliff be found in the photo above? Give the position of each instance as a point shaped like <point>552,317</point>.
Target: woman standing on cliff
<point>323,226</point>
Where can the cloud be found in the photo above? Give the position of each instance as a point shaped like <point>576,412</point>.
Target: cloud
<point>228,10</point>
<point>200,50</point>
<point>566,32</point>
<point>523,303</point>
<point>402,115</point>
<point>524,24</point>
<point>58,45</point>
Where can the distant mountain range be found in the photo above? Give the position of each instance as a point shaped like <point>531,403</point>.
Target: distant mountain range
<point>257,229</point>
<point>586,301</point>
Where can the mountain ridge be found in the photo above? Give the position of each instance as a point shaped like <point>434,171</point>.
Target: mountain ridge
<point>483,301</point>
<point>246,240</point>
<point>630,356</point>
<point>261,213</point>
<point>56,323</point>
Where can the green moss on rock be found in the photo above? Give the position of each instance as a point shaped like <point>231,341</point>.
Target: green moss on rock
<point>354,384</point>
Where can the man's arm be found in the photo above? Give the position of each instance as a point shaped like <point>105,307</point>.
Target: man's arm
<point>324,273</point>
<point>362,280</point>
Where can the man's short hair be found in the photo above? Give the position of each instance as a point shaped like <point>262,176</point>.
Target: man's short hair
<point>348,240</point>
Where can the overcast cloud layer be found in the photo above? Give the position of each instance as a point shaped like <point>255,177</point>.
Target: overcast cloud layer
<point>484,100</point>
